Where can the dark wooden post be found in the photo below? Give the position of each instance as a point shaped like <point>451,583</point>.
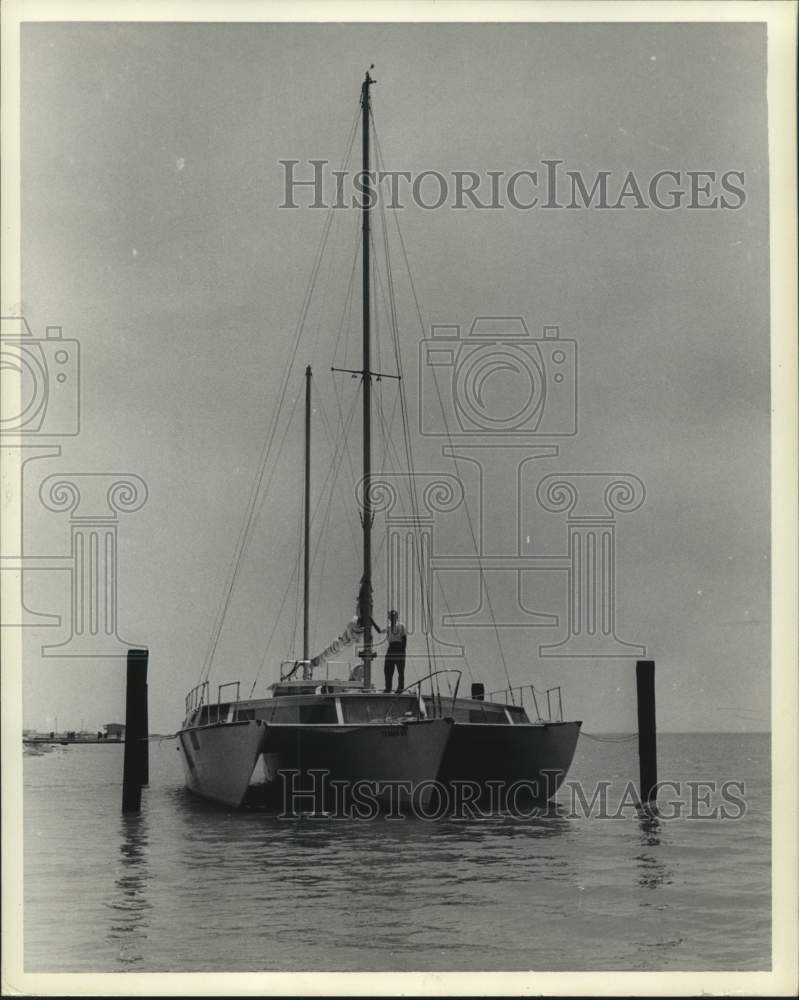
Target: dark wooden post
<point>647,734</point>
<point>145,761</point>
<point>135,769</point>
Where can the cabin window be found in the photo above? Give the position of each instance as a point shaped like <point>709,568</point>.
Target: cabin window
<point>323,711</point>
<point>285,713</point>
<point>245,713</point>
<point>486,712</point>
<point>366,709</point>
<point>517,714</point>
<point>212,713</point>
<point>315,713</point>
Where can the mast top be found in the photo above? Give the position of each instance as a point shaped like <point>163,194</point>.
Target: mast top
<point>367,82</point>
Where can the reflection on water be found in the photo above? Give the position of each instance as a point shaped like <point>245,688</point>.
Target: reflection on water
<point>652,870</point>
<point>402,850</point>
<point>129,903</point>
<point>189,886</point>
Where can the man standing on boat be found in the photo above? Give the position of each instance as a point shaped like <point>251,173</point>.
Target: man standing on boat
<point>397,638</point>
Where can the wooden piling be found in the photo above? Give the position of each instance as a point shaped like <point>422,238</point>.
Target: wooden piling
<point>145,778</point>
<point>647,734</point>
<point>135,768</point>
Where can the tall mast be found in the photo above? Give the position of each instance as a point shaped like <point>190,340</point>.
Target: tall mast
<point>365,595</point>
<point>307,537</point>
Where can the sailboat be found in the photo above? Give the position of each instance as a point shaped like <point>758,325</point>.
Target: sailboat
<point>311,734</point>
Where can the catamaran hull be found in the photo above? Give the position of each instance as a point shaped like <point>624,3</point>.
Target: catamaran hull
<point>399,762</point>
<point>304,764</point>
<point>218,760</point>
<point>531,756</point>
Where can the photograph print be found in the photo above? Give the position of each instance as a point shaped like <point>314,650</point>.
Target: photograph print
<point>389,421</point>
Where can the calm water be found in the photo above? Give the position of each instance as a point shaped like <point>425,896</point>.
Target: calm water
<point>188,887</point>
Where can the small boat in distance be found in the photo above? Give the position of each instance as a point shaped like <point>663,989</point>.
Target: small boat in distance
<point>236,750</point>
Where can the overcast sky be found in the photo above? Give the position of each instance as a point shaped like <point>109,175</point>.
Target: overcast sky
<point>152,233</point>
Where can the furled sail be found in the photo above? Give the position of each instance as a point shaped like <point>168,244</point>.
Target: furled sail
<point>351,633</point>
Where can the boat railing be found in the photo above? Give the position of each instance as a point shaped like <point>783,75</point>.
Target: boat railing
<point>435,691</point>
<point>550,699</point>
<point>553,696</point>
<point>198,696</point>
<point>232,704</point>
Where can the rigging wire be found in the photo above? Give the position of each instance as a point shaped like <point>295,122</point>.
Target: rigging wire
<point>323,542</point>
<point>247,525</point>
<point>388,429</point>
<point>282,445</point>
<point>389,302</point>
<point>388,438</point>
<point>333,468</point>
<point>339,445</point>
<point>298,591</point>
<point>338,390</point>
<point>425,591</point>
<point>460,641</point>
<point>483,580</point>
<point>388,448</point>
<point>426,608</point>
<point>346,312</point>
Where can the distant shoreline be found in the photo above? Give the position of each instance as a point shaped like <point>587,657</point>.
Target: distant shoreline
<point>62,740</point>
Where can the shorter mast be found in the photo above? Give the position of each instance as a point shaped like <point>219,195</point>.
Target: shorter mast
<point>307,534</point>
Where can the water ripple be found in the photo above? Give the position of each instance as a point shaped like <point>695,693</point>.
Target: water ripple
<point>187,886</point>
